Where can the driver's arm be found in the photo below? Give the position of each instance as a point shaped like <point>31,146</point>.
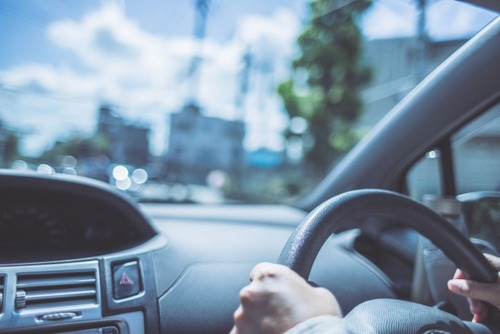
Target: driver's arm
<point>277,300</point>
<point>477,292</point>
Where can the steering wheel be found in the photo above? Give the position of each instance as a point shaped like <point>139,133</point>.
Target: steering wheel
<point>388,315</point>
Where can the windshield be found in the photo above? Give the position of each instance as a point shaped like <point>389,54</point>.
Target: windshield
<point>210,100</point>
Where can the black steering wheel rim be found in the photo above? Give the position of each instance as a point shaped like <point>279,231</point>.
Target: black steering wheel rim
<point>342,212</point>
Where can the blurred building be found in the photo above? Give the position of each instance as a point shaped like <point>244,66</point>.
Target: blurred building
<point>129,142</point>
<point>397,68</point>
<point>199,144</point>
<point>265,158</point>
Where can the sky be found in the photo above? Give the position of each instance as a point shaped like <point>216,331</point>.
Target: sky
<point>61,59</point>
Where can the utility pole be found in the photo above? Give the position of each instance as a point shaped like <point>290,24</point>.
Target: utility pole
<point>200,22</point>
<point>421,41</point>
<point>243,89</point>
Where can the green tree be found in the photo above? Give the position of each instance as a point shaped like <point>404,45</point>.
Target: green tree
<point>78,147</point>
<point>11,147</point>
<point>327,78</point>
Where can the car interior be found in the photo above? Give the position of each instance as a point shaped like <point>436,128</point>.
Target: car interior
<point>80,256</point>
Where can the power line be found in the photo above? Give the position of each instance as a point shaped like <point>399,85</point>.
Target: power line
<point>35,19</point>
<point>43,94</point>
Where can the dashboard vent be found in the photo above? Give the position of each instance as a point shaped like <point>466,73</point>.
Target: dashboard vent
<point>46,290</point>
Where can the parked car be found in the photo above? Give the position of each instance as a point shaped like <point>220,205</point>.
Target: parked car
<point>79,255</point>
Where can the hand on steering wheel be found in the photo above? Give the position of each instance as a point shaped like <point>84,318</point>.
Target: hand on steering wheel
<point>277,299</point>
<point>476,292</point>
<point>302,247</point>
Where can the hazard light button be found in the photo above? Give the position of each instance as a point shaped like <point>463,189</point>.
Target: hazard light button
<point>126,280</point>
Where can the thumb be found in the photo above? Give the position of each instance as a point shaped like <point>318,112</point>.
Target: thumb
<point>487,292</point>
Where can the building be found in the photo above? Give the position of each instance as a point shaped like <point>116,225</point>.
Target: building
<point>396,71</point>
<point>199,144</point>
<point>265,158</point>
<point>129,143</point>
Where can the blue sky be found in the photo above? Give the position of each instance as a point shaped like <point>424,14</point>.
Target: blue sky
<point>30,19</point>
<point>61,59</point>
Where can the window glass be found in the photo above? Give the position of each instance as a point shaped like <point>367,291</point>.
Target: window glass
<point>266,95</point>
<point>476,151</point>
<point>424,178</point>
<point>476,156</point>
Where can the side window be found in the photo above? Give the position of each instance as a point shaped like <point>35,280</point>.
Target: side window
<point>425,177</point>
<point>475,156</point>
<point>475,150</point>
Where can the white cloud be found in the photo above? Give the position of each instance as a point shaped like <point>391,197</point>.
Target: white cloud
<point>463,20</point>
<point>398,20</point>
<point>143,73</point>
<point>147,74</point>
<point>270,36</point>
<point>445,19</point>
<point>42,118</point>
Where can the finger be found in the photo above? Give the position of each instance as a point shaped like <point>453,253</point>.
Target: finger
<point>238,315</point>
<point>475,305</point>
<point>487,292</point>
<point>254,295</point>
<point>459,274</point>
<point>478,309</point>
<point>247,296</point>
<point>261,270</point>
<point>495,261</point>
<point>239,321</point>
<point>242,322</point>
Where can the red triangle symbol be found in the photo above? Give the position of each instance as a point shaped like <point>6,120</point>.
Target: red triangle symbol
<point>125,280</point>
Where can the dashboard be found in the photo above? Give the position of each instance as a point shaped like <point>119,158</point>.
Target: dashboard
<point>41,220</point>
<point>33,229</point>
<point>66,259</point>
<point>77,256</point>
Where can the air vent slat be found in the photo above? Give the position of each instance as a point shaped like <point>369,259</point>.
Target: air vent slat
<point>46,290</point>
<point>60,294</point>
<point>48,282</point>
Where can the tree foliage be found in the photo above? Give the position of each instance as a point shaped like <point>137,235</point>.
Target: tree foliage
<point>11,152</point>
<point>327,78</point>
<point>79,148</point>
